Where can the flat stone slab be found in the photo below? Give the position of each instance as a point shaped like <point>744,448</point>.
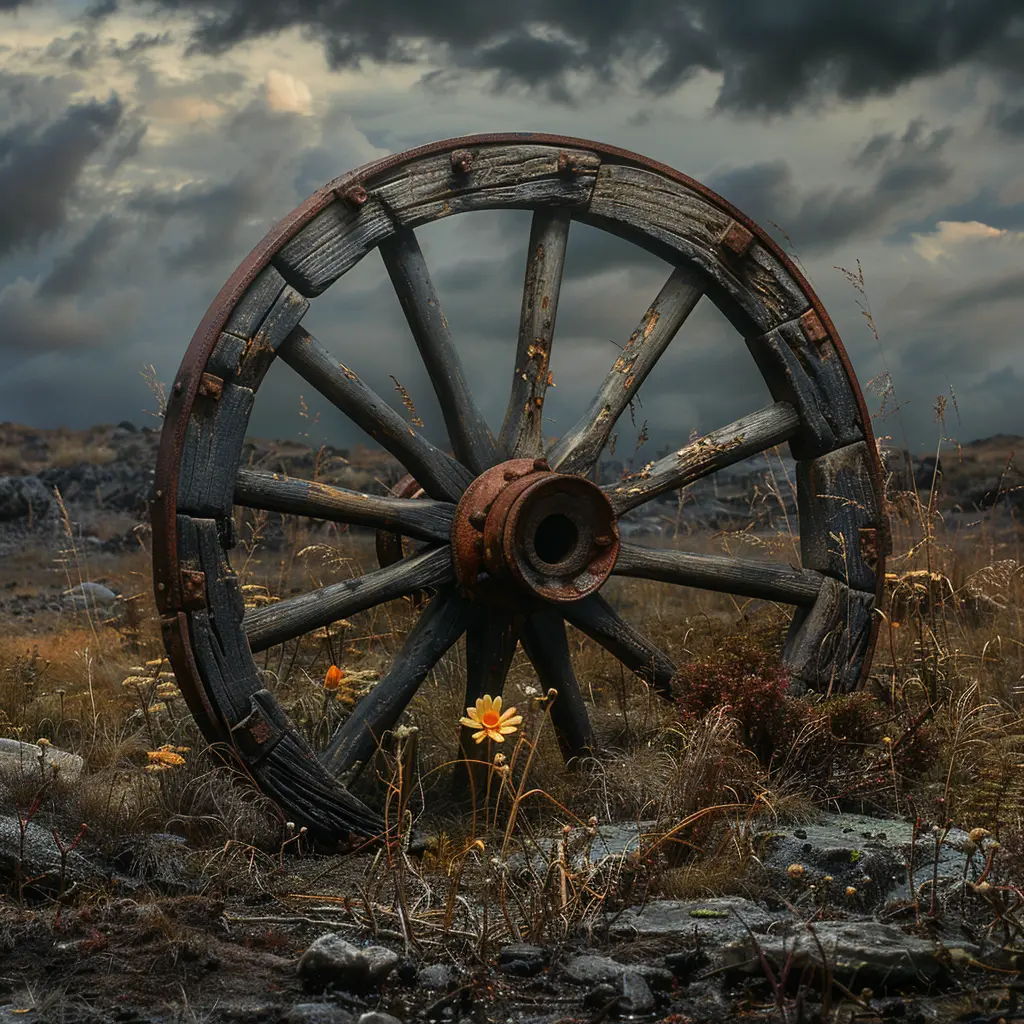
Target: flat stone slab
<point>719,919</point>
<point>858,953</point>
<point>868,854</point>
<point>43,763</point>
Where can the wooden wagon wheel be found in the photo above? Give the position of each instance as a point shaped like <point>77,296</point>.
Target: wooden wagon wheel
<point>518,540</point>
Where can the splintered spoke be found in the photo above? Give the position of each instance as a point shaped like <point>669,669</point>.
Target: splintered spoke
<point>743,576</point>
<point>294,616</point>
<point>739,440</point>
<point>443,621</point>
<point>596,617</point>
<point>424,519</point>
<point>547,647</point>
<point>580,447</point>
<point>437,472</point>
<point>470,437</point>
<point>522,432</point>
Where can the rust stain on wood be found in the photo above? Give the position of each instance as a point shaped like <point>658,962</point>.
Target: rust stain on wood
<point>193,589</point>
<point>211,386</point>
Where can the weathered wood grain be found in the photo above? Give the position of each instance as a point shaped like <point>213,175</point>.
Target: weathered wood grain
<point>424,190</point>
<point>331,244</point>
<point>294,616</point>
<point>739,440</point>
<point>286,769</point>
<point>284,316</point>
<point>499,176</point>
<point>212,450</point>
<point>437,472</point>
<point>521,435</point>
<point>753,289</point>
<point>827,642</point>
<point>260,321</point>
<point>425,519</point>
<point>440,625</point>
<point>596,617</point>
<point>467,429</point>
<point>809,375</point>
<point>746,577</point>
<point>547,647</point>
<point>579,448</point>
<point>252,308</point>
<point>222,656</point>
<point>842,522</point>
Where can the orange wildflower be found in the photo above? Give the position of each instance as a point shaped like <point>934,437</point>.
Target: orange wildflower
<point>333,678</point>
<point>489,720</point>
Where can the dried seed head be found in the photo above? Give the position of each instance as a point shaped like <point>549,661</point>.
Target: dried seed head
<point>977,834</point>
<point>851,891</point>
<point>795,871</point>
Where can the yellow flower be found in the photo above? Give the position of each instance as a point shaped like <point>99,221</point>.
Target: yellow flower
<point>333,678</point>
<point>164,757</point>
<point>795,871</point>
<point>977,834</point>
<point>487,717</point>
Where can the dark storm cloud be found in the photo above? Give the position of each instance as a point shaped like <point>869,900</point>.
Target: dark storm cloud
<point>82,264</point>
<point>41,165</point>
<point>772,56</point>
<point>1004,289</point>
<point>217,210</point>
<point>1007,118</point>
<point>903,168</point>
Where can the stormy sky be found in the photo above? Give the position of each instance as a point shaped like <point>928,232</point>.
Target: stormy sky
<point>145,147</point>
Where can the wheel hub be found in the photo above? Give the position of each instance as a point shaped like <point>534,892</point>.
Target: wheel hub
<point>524,528</point>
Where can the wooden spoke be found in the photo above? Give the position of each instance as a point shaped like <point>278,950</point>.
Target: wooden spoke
<point>596,617</point>
<point>522,432</point>
<point>744,576</point>
<point>441,624</point>
<point>437,472</point>
<point>470,437</point>
<point>294,616</point>
<point>547,647</point>
<point>739,440</point>
<point>491,640</point>
<point>425,519</point>
<point>578,449</point>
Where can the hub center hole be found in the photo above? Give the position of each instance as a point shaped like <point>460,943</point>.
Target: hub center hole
<point>556,538</point>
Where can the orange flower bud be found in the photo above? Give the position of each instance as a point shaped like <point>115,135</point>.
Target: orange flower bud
<point>332,680</point>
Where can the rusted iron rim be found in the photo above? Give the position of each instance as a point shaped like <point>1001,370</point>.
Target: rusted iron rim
<point>352,187</point>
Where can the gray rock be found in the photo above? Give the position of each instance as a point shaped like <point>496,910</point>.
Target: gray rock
<point>22,497</point>
<point>859,953</point>
<point>522,959</point>
<point>90,596</point>
<point>438,977</point>
<point>637,995</point>
<point>42,763</point>
<point>718,920</point>
<point>590,969</point>
<point>37,857</point>
<point>332,960</point>
<point>317,1013</point>
<point>869,854</point>
<point>377,1017</point>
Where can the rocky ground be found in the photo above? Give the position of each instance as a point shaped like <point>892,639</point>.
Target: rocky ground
<point>859,919</point>
<point>842,918</point>
<point>104,477</point>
